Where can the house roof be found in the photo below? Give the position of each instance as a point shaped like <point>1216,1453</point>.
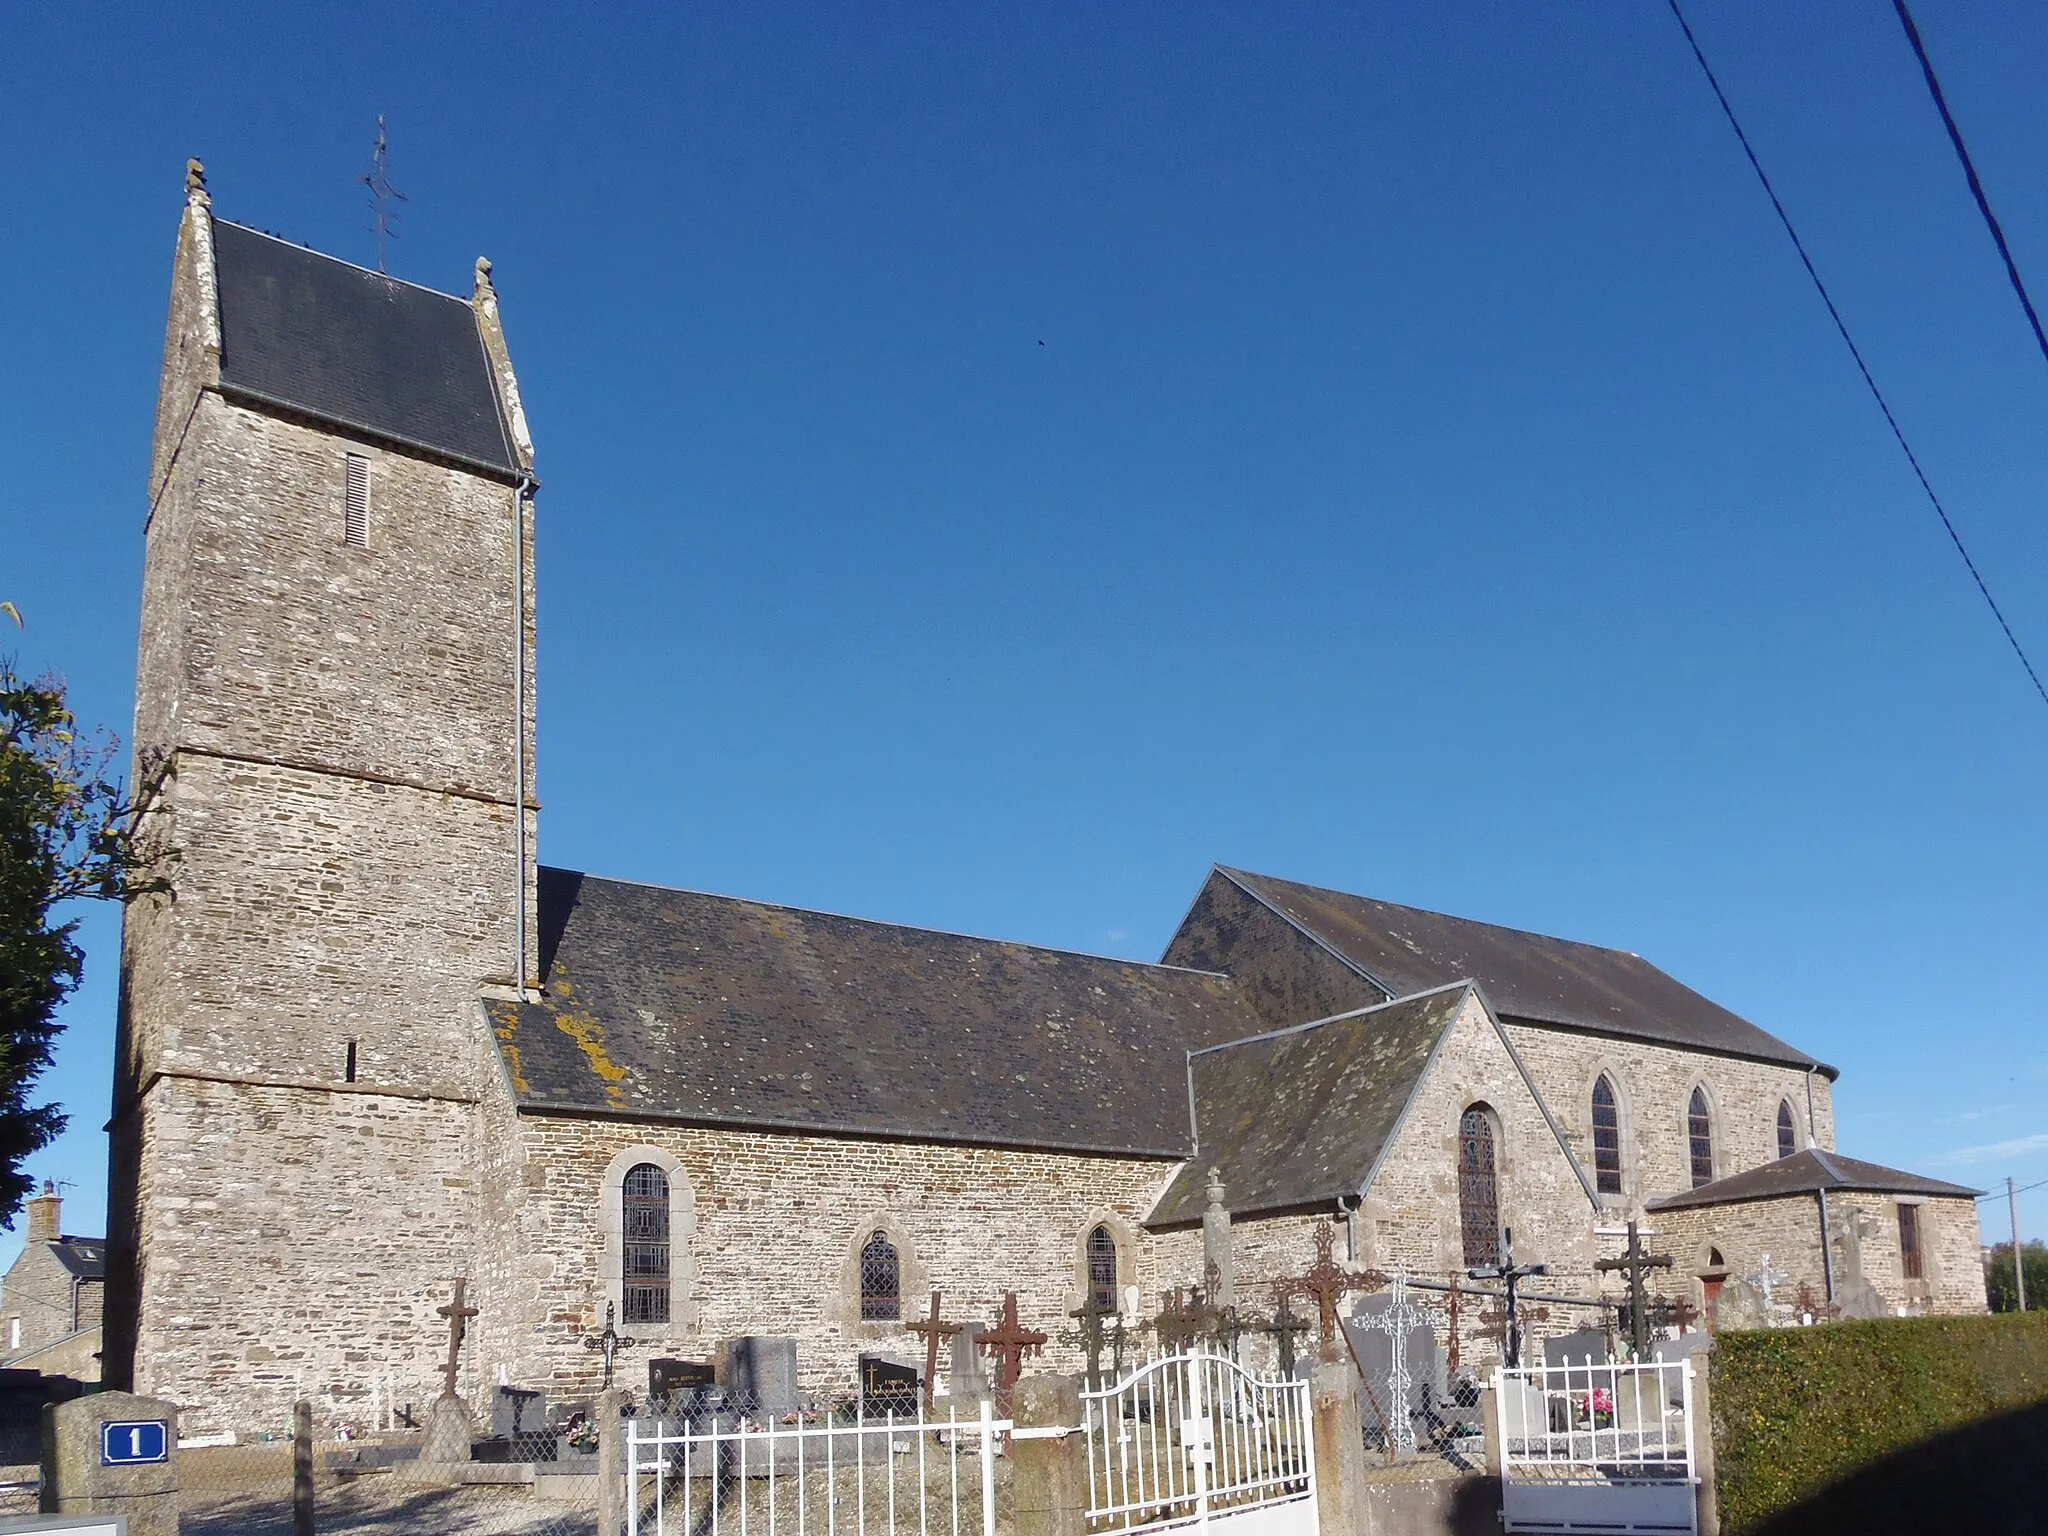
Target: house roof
<point>1297,1117</point>
<point>1526,976</point>
<point>355,349</point>
<point>84,1257</point>
<point>666,1003</point>
<point>1803,1173</point>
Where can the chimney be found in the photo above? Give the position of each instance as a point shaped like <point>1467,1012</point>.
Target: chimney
<point>43,1212</point>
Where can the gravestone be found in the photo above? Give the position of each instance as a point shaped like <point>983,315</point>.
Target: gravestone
<point>965,1377</point>
<point>667,1378</point>
<point>1588,1344</point>
<point>888,1386</point>
<point>759,1375</point>
<point>518,1411</point>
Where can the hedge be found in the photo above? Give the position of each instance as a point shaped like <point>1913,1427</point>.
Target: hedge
<point>1796,1409</point>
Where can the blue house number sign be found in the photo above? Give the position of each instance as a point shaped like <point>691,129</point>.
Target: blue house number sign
<point>134,1442</point>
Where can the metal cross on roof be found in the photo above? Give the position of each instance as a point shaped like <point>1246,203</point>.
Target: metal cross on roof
<point>1327,1281</point>
<point>458,1317</point>
<point>932,1330</point>
<point>1636,1263</point>
<point>1009,1342</point>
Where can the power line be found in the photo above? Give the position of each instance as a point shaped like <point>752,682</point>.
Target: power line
<point>1856,352</point>
<point>1999,1194</point>
<point>1955,137</point>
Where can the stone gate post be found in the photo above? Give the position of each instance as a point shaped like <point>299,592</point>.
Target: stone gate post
<point>1340,1449</point>
<point>113,1453</point>
<point>1051,1471</point>
<point>611,1461</point>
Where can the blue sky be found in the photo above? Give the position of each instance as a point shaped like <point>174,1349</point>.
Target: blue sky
<point>1001,459</point>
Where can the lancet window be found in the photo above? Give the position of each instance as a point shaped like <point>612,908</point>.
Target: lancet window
<point>881,1280</point>
<point>1699,1135</point>
<point>1788,1129</point>
<point>1102,1268</point>
<point>1606,1137</point>
<point>1478,1187</point>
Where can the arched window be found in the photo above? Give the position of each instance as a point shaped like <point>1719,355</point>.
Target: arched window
<point>1788,1132</point>
<point>1478,1188</point>
<point>1699,1135</point>
<point>1606,1138</point>
<point>645,1196</point>
<point>1102,1269</point>
<point>881,1288</point>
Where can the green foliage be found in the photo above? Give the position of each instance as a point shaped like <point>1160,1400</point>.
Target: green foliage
<point>66,831</point>
<point>1795,1409</point>
<point>1998,1284</point>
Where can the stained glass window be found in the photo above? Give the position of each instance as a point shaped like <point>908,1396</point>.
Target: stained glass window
<point>1478,1188</point>
<point>880,1281</point>
<point>647,1257</point>
<point>1606,1138</point>
<point>1102,1269</point>
<point>1699,1132</point>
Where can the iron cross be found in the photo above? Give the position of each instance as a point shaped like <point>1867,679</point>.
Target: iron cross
<point>458,1317</point>
<point>1009,1342</point>
<point>1328,1281</point>
<point>608,1343</point>
<point>1510,1274</point>
<point>1635,1264</point>
<point>1284,1327</point>
<point>931,1330</point>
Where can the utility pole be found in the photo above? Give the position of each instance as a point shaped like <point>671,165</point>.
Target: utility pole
<point>2019,1270</point>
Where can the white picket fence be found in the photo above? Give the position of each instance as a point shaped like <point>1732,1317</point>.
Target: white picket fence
<point>1197,1440</point>
<point>1591,1447</point>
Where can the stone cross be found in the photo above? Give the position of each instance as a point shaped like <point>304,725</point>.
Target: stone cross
<point>1396,1322</point>
<point>1008,1343</point>
<point>1636,1263</point>
<point>1327,1282</point>
<point>1510,1274</point>
<point>931,1330</point>
<point>458,1317</point>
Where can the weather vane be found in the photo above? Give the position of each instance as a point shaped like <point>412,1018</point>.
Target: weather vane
<point>382,193</point>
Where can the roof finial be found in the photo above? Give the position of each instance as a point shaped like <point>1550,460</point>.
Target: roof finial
<point>483,278</point>
<point>195,183</point>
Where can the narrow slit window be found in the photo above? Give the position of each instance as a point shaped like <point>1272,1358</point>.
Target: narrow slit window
<point>1909,1243</point>
<point>1788,1131</point>
<point>1606,1137</point>
<point>355,503</point>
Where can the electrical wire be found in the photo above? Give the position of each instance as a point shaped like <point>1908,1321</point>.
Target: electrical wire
<point>1856,353</point>
<point>1955,137</point>
<point>2000,1194</point>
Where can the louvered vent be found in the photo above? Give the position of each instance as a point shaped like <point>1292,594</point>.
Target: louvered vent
<point>355,514</point>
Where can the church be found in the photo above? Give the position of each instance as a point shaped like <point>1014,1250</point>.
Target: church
<point>372,1045</point>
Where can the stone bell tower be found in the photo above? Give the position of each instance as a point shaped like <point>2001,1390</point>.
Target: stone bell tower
<point>336,674</point>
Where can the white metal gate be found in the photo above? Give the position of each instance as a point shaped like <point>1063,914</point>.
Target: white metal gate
<point>728,1474</point>
<point>1196,1440</point>
<point>1598,1447</point>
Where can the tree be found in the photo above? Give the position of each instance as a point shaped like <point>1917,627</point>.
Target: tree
<point>1998,1276</point>
<point>67,831</point>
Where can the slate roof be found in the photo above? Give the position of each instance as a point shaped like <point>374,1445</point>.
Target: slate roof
<point>1526,976</point>
<point>1296,1118</point>
<point>84,1257</point>
<point>355,349</point>
<point>667,1003</point>
<point>1803,1173</point>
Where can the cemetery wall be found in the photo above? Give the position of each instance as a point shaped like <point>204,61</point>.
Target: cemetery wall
<point>1653,1086</point>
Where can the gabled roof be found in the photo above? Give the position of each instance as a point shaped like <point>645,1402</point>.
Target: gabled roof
<point>84,1257</point>
<point>1294,1119</point>
<point>674,1004</point>
<point>1526,976</point>
<point>1803,1173</point>
<point>384,359</point>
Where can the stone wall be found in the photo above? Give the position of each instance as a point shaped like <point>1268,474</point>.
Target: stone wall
<point>339,725</point>
<point>767,1227</point>
<point>1654,1085</point>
